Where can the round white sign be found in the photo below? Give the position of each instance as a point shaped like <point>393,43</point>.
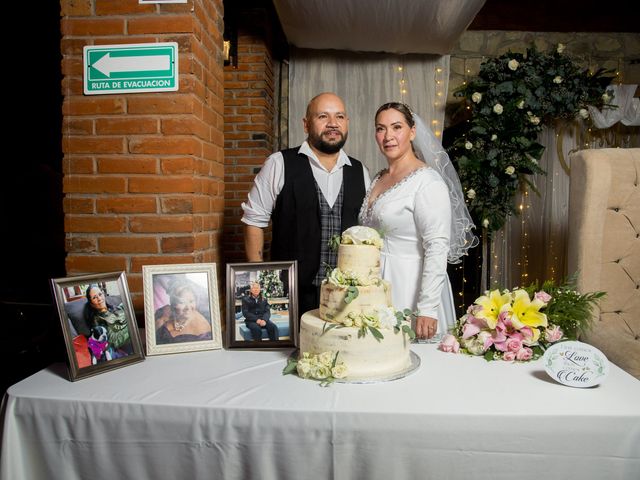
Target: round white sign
<point>576,364</point>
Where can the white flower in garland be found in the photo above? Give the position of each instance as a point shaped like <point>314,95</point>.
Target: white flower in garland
<point>468,145</point>
<point>520,104</point>
<point>584,113</point>
<point>497,108</point>
<point>606,97</point>
<point>561,47</point>
<point>533,119</point>
<point>557,79</point>
<point>476,97</point>
<point>471,193</point>
<point>485,223</point>
<point>513,64</point>
<point>494,137</point>
<point>510,170</point>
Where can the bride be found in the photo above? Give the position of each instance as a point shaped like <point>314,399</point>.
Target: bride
<point>417,205</point>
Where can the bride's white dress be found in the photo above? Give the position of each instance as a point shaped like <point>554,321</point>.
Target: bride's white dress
<point>414,217</point>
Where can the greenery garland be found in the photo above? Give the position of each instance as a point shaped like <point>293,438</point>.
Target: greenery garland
<point>512,98</point>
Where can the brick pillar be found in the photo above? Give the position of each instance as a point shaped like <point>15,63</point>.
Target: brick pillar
<point>249,126</point>
<point>143,172</point>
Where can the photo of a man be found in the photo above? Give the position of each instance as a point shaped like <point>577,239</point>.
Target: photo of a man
<point>257,313</point>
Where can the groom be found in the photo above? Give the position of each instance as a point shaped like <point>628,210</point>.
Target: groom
<point>310,193</point>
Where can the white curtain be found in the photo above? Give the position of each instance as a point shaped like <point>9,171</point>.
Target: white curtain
<point>533,245</point>
<point>625,108</point>
<point>365,81</point>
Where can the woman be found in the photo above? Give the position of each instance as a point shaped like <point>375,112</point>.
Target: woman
<point>102,310</point>
<point>417,205</point>
<point>180,321</point>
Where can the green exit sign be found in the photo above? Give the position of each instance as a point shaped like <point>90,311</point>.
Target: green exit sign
<point>145,67</point>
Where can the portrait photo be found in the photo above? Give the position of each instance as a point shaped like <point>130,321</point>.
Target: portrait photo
<point>261,309</point>
<point>181,308</point>
<point>98,323</point>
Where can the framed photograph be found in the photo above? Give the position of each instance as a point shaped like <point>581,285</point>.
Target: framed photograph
<point>98,323</point>
<point>181,308</point>
<point>262,310</point>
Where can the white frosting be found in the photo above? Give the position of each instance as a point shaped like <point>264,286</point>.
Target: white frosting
<point>360,261</point>
<point>365,357</point>
<point>333,307</point>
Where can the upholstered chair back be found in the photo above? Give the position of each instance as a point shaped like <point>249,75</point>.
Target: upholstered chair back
<point>604,247</point>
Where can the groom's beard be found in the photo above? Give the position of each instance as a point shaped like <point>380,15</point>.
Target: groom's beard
<point>328,147</point>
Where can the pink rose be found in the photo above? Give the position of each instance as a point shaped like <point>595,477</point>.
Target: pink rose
<point>449,343</point>
<point>543,296</point>
<point>514,344</point>
<point>524,354</point>
<point>509,356</point>
<point>553,334</point>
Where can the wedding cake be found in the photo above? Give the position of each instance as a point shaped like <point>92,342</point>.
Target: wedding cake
<point>356,327</point>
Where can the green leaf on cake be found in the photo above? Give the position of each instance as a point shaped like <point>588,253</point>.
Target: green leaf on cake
<point>334,242</point>
<point>376,333</point>
<point>352,294</point>
<point>409,331</point>
<point>329,326</point>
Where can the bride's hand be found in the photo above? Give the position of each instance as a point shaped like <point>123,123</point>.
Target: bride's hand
<point>426,327</point>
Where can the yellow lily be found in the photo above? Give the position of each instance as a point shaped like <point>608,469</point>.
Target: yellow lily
<point>527,312</point>
<point>491,305</point>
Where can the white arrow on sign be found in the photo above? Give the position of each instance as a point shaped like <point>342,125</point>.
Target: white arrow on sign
<point>108,64</point>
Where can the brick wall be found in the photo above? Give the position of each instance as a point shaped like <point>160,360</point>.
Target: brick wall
<point>249,125</point>
<point>143,173</point>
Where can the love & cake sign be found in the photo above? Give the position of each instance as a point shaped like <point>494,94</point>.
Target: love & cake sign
<point>576,364</point>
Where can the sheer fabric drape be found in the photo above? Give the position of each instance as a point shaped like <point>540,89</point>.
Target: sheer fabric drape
<point>365,81</point>
<point>533,245</point>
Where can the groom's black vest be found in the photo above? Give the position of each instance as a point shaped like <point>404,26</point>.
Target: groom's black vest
<point>296,216</point>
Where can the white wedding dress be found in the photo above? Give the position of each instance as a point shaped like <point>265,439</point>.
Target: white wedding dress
<point>414,218</point>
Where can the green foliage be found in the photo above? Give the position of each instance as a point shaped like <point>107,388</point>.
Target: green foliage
<point>334,242</point>
<point>569,309</point>
<point>499,150</point>
<point>291,366</point>
<point>271,283</point>
<point>376,333</point>
<point>352,294</point>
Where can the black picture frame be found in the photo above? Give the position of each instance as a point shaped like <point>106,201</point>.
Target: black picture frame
<point>278,283</point>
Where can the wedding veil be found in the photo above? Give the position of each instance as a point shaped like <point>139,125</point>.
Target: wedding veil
<point>431,152</point>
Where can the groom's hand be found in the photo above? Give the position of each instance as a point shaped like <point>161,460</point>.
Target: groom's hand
<point>426,327</point>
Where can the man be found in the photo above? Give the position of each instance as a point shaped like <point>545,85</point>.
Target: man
<point>256,312</point>
<point>310,193</point>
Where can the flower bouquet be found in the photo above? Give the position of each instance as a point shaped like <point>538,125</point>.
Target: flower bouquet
<point>323,366</point>
<point>519,324</point>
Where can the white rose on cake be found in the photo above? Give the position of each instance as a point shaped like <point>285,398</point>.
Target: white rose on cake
<point>336,277</point>
<point>386,317</point>
<point>360,235</point>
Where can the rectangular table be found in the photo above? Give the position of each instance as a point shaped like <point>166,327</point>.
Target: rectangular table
<point>231,414</point>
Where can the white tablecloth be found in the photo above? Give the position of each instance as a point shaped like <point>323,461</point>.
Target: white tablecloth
<point>231,414</point>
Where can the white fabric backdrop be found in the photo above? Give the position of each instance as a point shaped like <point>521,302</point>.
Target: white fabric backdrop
<point>533,245</point>
<point>366,81</point>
